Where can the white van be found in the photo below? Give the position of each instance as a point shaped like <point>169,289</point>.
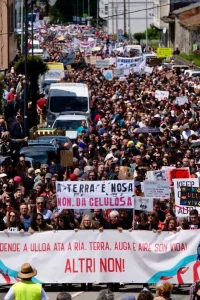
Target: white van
<point>36,48</point>
<point>54,74</point>
<point>138,48</point>
<point>68,98</point>
<point>192,73</point>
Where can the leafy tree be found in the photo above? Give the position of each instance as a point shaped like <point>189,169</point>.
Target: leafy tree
<point>139,36</point>
<point>153,33</point>
<point>35,68</point>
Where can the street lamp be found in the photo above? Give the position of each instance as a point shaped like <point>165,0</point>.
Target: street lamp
<point>26,70</point>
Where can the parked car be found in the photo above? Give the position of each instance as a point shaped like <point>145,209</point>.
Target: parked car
<point>41,154</point>
<point>70,123</point>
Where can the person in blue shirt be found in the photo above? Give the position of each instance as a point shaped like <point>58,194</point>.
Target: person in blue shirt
<point>83,127</point>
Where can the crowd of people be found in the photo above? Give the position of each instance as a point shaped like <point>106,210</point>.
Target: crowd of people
<point>121,114</point>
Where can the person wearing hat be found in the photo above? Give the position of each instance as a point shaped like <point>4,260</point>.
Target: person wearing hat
<point>26,289</point>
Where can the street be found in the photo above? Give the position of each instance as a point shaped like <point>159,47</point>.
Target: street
<point>180,294</point>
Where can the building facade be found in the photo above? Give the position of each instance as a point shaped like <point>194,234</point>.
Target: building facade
<point>126,15</point>
<point>8,43</point>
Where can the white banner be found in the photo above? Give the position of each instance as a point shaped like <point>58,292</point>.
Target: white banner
<point>183,210</point>
<point>156,189</point>
<point>128,62</point>
<point>95,194</point>
<point>109,256</point>
<point>102,64</point>
<point>161,95</point>
<point>143,203</point>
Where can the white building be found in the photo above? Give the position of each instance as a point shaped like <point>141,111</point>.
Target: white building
<point>162,10</point>
<point>112,12</point>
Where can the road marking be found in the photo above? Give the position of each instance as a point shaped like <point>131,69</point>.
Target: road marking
<point>76,294</point>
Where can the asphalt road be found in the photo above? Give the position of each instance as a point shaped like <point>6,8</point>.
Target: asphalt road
<point>180,294</point>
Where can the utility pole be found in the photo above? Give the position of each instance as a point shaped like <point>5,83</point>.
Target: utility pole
<point>32,27</point>
<point>76,7</point>
<point>146,25</point>
<point>116,12</point>
<point>22,26</point>
<point>124,17</point>
<point>26,71</point>
<point>129,22</point>
<point>113,30</point>
<point>97,14</point>
<point>89,11</point>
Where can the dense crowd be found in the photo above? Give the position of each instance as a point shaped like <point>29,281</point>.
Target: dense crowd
<point>118,135</point>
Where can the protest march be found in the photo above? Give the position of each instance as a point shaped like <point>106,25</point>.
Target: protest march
<point>123,192</point>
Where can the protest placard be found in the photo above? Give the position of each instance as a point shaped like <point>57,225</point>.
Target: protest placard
<point>156,175</point>
<point>100,257</point>
<point>190,196</point>
<point>102,64</point>
<point>126,173</point>
<point>181,209</point>
<point>66,158</point>
<point>164,52</point>
<point>156,189</point>
<point>108,74</point>
<point>148,70</point>
<point>176,173</point>
<point>143,203</point>
<point>161,95</point>
<point>118,72</point>
<point>95,194</point>
<point>181,100</point>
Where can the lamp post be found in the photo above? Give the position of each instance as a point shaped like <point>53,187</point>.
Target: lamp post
<point>32,28</point>
<point>26,70</point>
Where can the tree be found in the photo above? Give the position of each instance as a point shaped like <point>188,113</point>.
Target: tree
<point>153,33</point>
<point>35,68</point>
<point>139,36</point>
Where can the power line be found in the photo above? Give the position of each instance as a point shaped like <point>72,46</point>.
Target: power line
<point>143,9</point>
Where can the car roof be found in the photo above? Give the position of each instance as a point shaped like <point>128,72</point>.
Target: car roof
<point>71,117</point>
<point>38,148</point>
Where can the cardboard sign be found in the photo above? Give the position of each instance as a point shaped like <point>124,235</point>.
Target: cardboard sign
<point>118,72</point>
<point>156,189</point>
<point>66,158</point>
<point>177,173</point>
<point>126,173</point>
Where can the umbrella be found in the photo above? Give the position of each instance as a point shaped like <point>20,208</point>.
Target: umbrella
<point>147,130</point>
<point>195,144</point>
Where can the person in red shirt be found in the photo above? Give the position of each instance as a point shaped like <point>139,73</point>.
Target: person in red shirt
<point>11,95</point>
<point>41,107</point>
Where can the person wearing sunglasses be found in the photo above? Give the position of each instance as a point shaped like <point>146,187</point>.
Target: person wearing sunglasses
<point>47,214</point>
<point>13,222</point>
<point>38,224</point>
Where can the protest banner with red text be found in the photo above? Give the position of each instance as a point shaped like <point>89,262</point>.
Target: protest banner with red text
<point>95,194</point>
<point>109,256</point>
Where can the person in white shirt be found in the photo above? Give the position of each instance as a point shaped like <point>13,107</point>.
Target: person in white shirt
<point>187,132</point>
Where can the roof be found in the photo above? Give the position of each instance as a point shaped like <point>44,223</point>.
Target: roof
<point>193,21</point>
<point>186,8</point>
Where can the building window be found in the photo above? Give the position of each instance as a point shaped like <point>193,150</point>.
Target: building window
<point>106,9</point>
<point>11,18</point>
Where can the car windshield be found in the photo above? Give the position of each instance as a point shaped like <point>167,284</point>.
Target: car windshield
<point>67,124</point>
<point>68,103</point>
<point>40,156</point>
